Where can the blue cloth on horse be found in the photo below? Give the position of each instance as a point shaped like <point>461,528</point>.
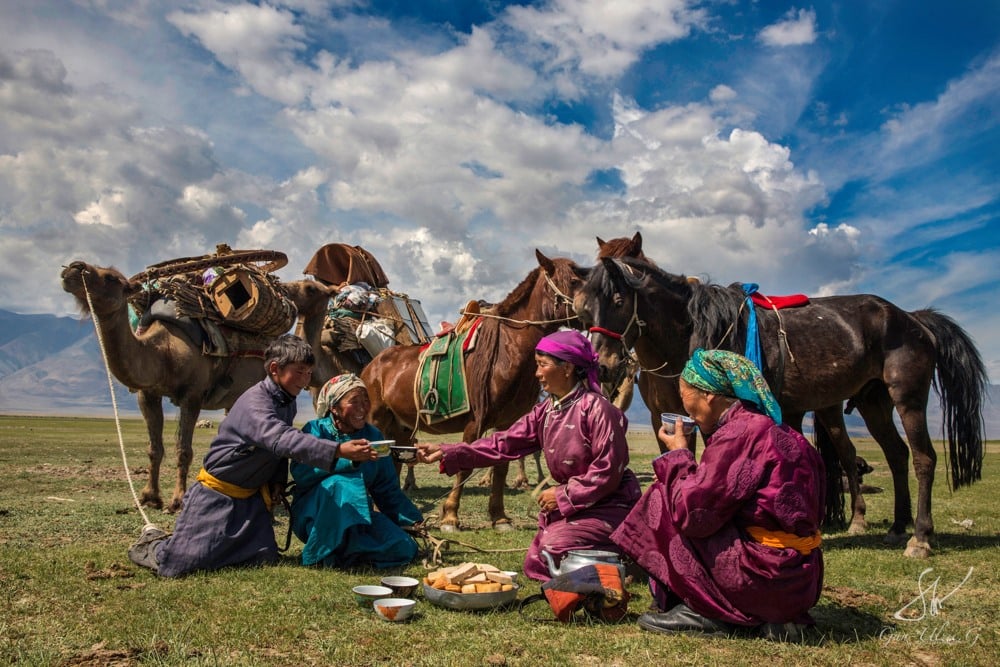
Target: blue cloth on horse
<point>752,348</point>
<point>332,512</point>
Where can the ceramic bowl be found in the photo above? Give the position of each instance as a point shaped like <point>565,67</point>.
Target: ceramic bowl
<point>512,574</point>
<point>365,595</point>
<point>395,609</point>
<point>381,447</point>
<point>669,419</point>
<point>403,454</point>
<point>402,587</point>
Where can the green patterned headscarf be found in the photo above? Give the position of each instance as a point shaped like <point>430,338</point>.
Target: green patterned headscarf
<point>730,374</point>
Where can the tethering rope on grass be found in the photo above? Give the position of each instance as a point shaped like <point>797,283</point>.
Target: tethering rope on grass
<point>114,404</point>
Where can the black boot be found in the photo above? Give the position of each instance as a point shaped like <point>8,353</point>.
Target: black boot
<point>683,620</point>
<point>782,632</point>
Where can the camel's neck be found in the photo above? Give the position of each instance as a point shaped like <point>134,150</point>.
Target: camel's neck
<point>132,360</point>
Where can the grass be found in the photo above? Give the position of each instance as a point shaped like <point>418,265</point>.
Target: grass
<point>69,595</point>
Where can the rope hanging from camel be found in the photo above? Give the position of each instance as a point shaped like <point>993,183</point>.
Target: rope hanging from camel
<point>114,402</point>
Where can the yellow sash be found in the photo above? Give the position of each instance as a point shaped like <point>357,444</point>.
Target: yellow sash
<point>779,539</point>
<point>232,490</point>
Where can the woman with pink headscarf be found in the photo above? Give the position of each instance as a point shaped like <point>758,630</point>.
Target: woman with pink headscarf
<point>582,436</point>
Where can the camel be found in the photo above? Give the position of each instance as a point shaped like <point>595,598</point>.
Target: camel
<point>164,362</point>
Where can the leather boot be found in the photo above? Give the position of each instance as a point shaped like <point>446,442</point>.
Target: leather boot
<point>683,620</point>
<point>782,632</point>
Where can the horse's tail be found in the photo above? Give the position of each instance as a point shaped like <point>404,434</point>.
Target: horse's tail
<point>835,516</point>
<point>961,383</point>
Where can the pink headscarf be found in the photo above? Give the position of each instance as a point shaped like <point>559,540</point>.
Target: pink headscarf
<point>572,346</point>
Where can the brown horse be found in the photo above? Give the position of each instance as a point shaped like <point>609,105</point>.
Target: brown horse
<point>500,373</point>
<point>858,347</point>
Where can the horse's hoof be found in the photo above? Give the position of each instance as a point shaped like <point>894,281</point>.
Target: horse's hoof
<point>894,539</point>
<point>503,526</point>
<point>448,528</point>
<point>521,483</point>
<point>857,528</point>
<point>917,549</point>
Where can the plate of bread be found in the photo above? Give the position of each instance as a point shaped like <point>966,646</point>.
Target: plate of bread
<point>470,586</point>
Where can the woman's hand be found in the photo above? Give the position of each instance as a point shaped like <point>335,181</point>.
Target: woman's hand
<point>429,453</point>
<point>547,500</point>
<point>358,451</point>
<point>677,439</point>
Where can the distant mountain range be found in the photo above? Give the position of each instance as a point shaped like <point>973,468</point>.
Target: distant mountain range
<point>52,365</point>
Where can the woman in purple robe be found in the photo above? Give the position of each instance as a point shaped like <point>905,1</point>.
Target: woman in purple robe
<point>731,543</point>
<point>582,436</point>
<point>226,516</point>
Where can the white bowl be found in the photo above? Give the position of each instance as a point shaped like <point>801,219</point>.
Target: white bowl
<point>669,419</point>
<point>381,447</point>
<point>395,609</point>
<point>365,595</point>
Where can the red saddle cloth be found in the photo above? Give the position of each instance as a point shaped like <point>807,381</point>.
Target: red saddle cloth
<point>779,302</point>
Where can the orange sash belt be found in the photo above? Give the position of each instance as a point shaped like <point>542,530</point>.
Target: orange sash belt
<point>232,490</point>
<point>779,539</point>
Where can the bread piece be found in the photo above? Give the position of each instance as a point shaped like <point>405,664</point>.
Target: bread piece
<point>453,588</point>
<point>479,578</point>
<point>499,578</point>
<point>506,587</point>
<point>461,573</point>
<point>470,588</point>
<point>486,567</point>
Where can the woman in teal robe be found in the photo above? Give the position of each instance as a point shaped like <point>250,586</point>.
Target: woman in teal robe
<point>352,515</point>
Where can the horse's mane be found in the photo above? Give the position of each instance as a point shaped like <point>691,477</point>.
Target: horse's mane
<point>518,294</point>
<point>713,309</point>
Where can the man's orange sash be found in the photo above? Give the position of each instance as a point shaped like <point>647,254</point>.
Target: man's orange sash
<point>779,539</point>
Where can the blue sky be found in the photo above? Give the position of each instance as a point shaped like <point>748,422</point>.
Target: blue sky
<point>824,148</point>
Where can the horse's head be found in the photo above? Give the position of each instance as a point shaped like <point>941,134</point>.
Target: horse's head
<point>107,287</point>
<point>607,305</point>
<point>562,277</point>
<point>621,247</point>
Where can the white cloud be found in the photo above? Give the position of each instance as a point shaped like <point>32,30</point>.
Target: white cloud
<point>603,37</point>
<point>796,29</point>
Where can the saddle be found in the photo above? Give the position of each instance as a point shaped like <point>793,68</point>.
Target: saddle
<point>440,390</point>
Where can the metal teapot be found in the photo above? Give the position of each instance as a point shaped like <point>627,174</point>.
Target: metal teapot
<point>574,560</point>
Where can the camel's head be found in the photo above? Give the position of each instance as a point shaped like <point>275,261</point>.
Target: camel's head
<point>108,288</point>
<point>309,296</point>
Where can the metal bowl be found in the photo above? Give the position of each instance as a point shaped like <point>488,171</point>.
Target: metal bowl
<point>403,454</point>
<point>465,601</point>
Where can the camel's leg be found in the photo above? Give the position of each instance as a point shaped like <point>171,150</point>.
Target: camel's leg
<point>876,409</point>
<point>833,420</point>
<point>487,478</point>
<point>498,517</point>
<point>151,407</point>
<point>190,409</point>
<point>538,467</point>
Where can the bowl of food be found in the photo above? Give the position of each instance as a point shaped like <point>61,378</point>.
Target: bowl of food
<point>365,595</point>
<point>381,447</point>
<point>470,601</point>
<point>394,609</point>
<point>403,454</point>
<point>669,420</point>
<point>402,587</point>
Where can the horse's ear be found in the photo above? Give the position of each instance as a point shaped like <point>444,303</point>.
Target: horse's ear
<point>637,241</point>
<point>545,262</point>
<point>600,243</point>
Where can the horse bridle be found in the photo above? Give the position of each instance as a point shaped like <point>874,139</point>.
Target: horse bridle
<point>559,297</point>
<point>620,337</point>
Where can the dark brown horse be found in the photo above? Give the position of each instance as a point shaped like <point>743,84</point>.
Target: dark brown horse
<point>857,347</point>
<point>500,373</point>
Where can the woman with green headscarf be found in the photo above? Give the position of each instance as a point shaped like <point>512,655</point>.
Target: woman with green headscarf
<point>333,511</point>
<point>731,543</point>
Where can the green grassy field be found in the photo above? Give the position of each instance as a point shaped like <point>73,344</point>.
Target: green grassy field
<point>70,596</point>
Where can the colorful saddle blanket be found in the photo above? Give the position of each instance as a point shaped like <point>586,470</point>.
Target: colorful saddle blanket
<point>441,390</point>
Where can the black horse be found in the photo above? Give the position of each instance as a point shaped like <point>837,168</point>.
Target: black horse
<point>859,348</point>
